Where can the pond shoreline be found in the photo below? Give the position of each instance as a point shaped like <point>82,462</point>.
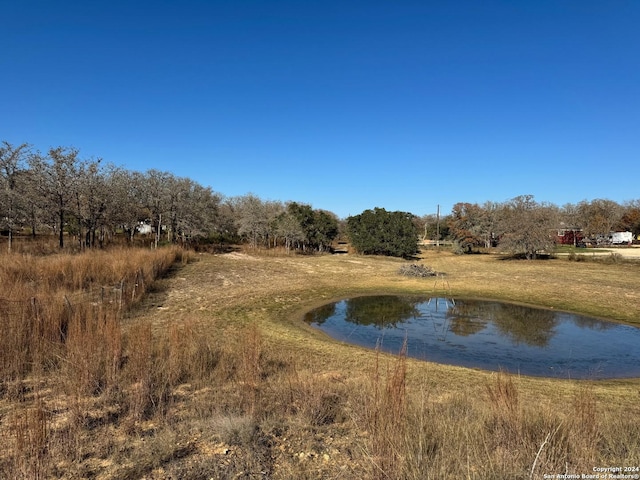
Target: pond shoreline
<point>486,334</point>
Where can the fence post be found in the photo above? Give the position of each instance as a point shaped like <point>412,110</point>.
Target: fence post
<point>120,295</point>
<point>133,290</point>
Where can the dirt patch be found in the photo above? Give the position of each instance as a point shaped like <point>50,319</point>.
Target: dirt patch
<point>632,252</point>
<point>627,252</point>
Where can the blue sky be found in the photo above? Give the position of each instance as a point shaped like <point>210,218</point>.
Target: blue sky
<point>345,105</point>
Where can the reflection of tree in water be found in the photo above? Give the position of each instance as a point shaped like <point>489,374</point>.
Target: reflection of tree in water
<point>521,324</point>
<point>592,323</point>
<point>532,326</point>
<point>465,319</point>
<point>381,311</point>
<point>320,315</point>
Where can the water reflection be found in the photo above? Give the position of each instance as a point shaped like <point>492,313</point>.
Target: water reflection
<point>380,311</point>
<point>320,314</point>
<point>486,334</point>
<point>521,324</point>
<point>466,319</point>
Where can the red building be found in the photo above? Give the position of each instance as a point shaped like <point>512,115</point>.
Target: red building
<point>569,236</point>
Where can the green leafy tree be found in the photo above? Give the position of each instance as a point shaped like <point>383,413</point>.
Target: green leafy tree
<point>304,216</point>
<point>379,232</point>
<point>318,228</point>
<point>432,227</point>
<point>325,230</point>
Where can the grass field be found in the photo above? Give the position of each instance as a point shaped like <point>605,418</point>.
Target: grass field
<point>213,374</point>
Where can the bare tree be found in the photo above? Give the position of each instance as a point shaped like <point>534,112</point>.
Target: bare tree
<point>56,179</point>
<point>193,209</point>
<point>35,208</point>
<point>252,219</point>
<point>157,198</point>
<point>126,208</point>
<point>630,220</point>
<point>599,216</point>
<point>200,217</point>
<point>13,164</point>
<point>526,226</point>
<point>489,223</point>
<point>226,226</point>
<point>288,228</point>
<point>92,197</point>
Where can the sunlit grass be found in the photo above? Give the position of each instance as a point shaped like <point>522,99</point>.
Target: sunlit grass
<point>213,375</point>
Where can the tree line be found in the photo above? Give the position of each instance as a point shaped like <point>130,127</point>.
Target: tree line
<point>525,226</point>
<point>519,226</point>
<point>89,201</point>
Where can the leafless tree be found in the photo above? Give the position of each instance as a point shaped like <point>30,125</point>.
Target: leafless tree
<point>599,216</point>
<point>193,209</point>
<point>251,217</point>
<point>526,227</point>
<point>156,195</point>
<point>226,228</point>
<point>288,228</point>
<point>13,164</point>
<point>56,180</point>
<point>630,220</point>
<point>127,206</point>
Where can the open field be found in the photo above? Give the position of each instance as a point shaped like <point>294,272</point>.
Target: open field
<point>220,378</point>
<point>631,252</point>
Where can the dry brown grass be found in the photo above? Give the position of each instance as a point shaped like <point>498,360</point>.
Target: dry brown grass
<point>66,308</point>
<point>214,375</point>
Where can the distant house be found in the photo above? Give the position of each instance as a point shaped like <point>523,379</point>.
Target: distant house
<point>144,228</point>
<point>569,236</point>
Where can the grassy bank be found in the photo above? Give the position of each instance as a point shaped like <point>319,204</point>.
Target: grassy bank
<point>218,377</point>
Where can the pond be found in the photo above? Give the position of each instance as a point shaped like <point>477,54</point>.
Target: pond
<point>490,335</point>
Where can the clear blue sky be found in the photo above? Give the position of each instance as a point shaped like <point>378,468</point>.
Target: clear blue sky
<point>345,105</point>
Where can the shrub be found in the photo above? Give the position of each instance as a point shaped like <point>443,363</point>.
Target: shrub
<point>378,232</point>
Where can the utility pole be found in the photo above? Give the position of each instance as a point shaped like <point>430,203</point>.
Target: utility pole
<point>438,227</point>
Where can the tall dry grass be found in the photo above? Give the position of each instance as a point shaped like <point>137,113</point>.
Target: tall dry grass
<point>96,397</point>
<point>422,434</point>
<point>63,311</point>
<point>31,433</point>
<point>385,409</point>
<point>63,340</point>
<point>263,411</point>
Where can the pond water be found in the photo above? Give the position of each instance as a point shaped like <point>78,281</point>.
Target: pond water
<point>489,335</point>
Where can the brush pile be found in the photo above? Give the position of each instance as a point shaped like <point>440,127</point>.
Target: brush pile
<point>415,270</point>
